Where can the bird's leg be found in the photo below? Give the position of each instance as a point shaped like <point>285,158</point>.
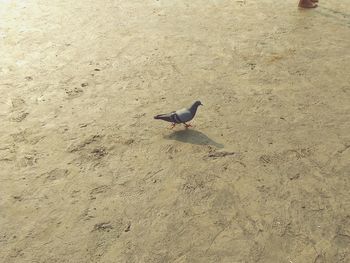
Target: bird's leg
<point>187,125</point>
<point>172,126</point>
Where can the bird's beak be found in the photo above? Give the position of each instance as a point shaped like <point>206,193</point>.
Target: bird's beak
<point>202,104</point>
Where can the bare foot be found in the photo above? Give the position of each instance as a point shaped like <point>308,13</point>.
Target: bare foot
<point>307,3</point>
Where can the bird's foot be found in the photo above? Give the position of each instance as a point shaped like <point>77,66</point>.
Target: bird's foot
<point>187,125</point>
<point>172,126</point>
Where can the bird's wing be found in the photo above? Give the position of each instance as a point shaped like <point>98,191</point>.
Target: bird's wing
<point>184,115</point>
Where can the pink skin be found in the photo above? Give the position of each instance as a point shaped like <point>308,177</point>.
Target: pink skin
<point>308,3</point>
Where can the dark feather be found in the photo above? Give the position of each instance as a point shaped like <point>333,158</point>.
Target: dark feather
<point>165,117</point>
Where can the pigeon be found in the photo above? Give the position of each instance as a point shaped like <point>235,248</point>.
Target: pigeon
<point>180,116</point>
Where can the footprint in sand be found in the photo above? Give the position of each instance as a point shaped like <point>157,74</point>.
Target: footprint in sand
<point>29,159</point>
<point>74,92</point>
<point>98,190</point>
<point>17,103</point>
<point>104,226</point>
<point>7,153</point>
<point>18,112</point>
<point>56,174</point>
<point>99,152</point>
<point>20,116</point>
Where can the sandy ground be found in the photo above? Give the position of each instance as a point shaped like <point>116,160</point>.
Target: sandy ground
<point>87,175</point>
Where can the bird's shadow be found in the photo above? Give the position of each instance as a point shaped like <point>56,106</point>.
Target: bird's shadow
<point>193,137</point>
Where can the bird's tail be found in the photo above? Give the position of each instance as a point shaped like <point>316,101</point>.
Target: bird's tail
<point>164,117</point>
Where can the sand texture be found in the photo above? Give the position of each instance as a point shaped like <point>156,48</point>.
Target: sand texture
<point>87,174</point>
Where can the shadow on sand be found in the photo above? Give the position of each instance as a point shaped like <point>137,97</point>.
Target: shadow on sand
<point>193,137</point>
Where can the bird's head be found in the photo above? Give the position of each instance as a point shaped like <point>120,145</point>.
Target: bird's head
<point>198,103</point>
<point>194,106</point>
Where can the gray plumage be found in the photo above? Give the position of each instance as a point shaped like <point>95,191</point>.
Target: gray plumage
<point>180,116</point>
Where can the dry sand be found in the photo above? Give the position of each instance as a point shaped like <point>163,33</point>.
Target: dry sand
<point>87,175</point>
